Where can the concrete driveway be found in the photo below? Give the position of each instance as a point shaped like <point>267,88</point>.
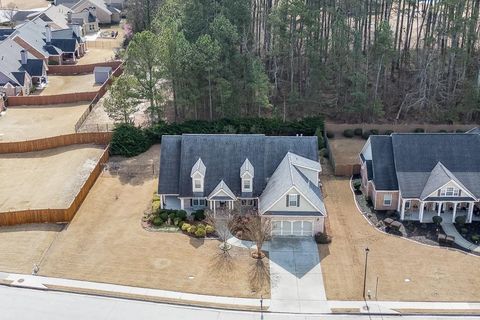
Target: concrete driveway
<point>296,276</point>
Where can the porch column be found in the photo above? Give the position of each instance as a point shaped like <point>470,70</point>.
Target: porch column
<point>214,209</point>
<point>440,205</point>
<point>402,214</point>
<point>182,204</point>
<point>420,215</point>
<point>470,212</point>
<point>454,211</point>
<point>161,201</point>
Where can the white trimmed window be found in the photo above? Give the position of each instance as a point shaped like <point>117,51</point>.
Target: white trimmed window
<point>197,185</point>
<point>387,200</point>
<point>246,185</point>
<point>248,202</point>
<point>407,204</point>
<point>293,200</point>
<point>197,202</point>
<point>449,192</point>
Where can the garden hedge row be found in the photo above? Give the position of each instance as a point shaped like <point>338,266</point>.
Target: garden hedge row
<point>129,140</point>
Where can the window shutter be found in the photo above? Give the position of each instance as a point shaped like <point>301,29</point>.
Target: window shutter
<point>459,192</point>
<point>298,200</point>
<point>191,202</point>
<point>287,200</point>
<point>439,192</point>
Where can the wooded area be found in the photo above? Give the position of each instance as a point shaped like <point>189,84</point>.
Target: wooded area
<point>354,60</point>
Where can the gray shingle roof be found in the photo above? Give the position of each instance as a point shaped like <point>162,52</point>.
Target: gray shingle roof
<point>223,155</point>
<point>222,188</point>
<point>439,176</point>
<point>383,165</point>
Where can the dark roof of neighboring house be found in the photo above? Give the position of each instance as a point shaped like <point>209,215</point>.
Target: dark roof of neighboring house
<point>66,45</point>
<point>34,67</point>
<point>22,15</point>
<point>52,50</point>
<point>20,76</point>
<point>417,164</point>
<point>4,33</point>
<point>223,156</point>
<point>383,165</point>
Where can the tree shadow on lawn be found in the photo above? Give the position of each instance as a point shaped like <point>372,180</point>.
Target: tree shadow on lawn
<point>323,251</point>
<point>259,275</point>
<point>196,242</point>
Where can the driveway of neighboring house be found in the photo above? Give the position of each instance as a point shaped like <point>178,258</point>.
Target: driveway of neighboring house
<point>296,276</point>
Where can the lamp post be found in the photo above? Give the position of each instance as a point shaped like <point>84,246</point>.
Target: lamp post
<point>365,272</point>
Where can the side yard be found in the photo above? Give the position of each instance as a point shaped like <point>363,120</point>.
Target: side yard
<point>105,242</point>
<point>406,271</point>
<point>34,122</point>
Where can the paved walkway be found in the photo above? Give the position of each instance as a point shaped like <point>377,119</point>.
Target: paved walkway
<point>296,276</point>
<point>39,282</point>
<point>450,230</point>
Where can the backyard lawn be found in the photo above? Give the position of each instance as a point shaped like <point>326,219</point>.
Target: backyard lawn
<point>69,84</point>
<point>105,242</point>
<point>28,4</point>
<point>34,122</point>
<point>406,271</point>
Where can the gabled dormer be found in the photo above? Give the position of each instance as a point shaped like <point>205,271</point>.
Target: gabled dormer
<point>247,173</point>
<point>198,176</point>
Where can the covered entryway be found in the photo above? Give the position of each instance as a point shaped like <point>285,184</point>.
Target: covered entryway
<point>302,228</point>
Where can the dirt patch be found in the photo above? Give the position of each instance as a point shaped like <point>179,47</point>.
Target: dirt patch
<point>22,246</point>
<point>27,4</point>
<point>45,179</point>
<point>406,271</point>
<point>26,123</point>
<point>69,84</point>
<point>96,55</point>
<point>105,242</point>
<point>346,151</point>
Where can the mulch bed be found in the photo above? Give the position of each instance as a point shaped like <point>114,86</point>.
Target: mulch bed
<point>471,228</point>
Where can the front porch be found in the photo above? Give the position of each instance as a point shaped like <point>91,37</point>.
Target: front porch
<point>424,211</point>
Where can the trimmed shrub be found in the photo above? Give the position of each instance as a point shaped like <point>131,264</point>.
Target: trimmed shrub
<point>185,226</point>
<point>200,233</point>
<point>164,215</point>
<point>366,135</point>
<point>330,135</point>
<point>200,226</point>
<point>322,238</point>
<point>320,139</point>
<point>388,132</point>
<point>192,229</point>
<point>172,215</point>
<point>357,185</point>
<point>437,220</point>
<point>459,131</point>
<point>358,132</point>
<point>157,221</point>
<point>128,140</point>
<point>209,229</point>
<point>155,205</point>
<point>199,215</point>
<point>460,220</point>
<point>348,133</point>
<point>374,132</point>
<point>181,214</point>
<point>180,224</point>
<point>476,238</point>
<point>419,130</point>
<point>463,231</point>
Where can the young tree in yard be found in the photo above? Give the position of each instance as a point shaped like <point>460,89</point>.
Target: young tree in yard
<point>144,63</point>
<point>121,104</point>
<point>258,230</point>
<point>222,221</point>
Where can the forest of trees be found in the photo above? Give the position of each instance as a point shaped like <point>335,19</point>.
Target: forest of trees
<point>353,60</point>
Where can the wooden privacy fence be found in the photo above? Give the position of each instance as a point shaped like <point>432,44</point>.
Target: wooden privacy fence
<point>55,215</point>
<point>101,138</point>
<point>51,99</point>
<point>68,70</point>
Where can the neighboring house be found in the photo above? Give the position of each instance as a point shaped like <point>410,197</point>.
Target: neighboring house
<point>5,33</point>
<point>106,14</point>
<point>86,19</point>
<point>423,175</point>
<point>18,73</point>
<point>279,176</point>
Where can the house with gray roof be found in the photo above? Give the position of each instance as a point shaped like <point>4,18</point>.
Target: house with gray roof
<point>278,176</point>
<point>421,175</point>
<point>105,13</point>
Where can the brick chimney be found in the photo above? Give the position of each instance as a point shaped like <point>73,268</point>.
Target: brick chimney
<point>93,11</point>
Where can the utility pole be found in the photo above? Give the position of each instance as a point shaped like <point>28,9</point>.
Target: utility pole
<point>365,272</point>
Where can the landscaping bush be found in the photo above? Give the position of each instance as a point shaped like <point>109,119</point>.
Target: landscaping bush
<point>157,221</point>
<point>181,214</point>
<point>476,238</point>
<point>459,131</point>
<point>200,233</point>
<point>419,130</point>
<point>180,224</point>
<point>128,140</point>
<point>172,215</point>
<point>437,220</point>
<point>348,133</point>
<point>209,229</point>
<point>366,135</point>
<point>164,215</point>
<point>388,132</point>
<point>185,226</point>
<point>320,139</point>
<point>374,132</point>
<point>322,238</point>
<point>442,131</point>
<point>199,215</point>
<point>358,132</point>
<point>200,226</point>
<point>357,185</point>
<point>463,231</point>
<point>192,229</point>
<point>323,153</point>
<point>460,220</point>
<point>330,135</point>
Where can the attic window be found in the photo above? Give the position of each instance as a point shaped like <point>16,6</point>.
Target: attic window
<point>449,192</point>
<point>246,185</point>
<point>197,184</point>
<point>293,200</point>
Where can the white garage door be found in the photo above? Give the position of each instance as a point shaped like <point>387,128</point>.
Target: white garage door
<point>292,228</point>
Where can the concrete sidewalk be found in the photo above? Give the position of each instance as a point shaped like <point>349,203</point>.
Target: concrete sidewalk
<point>40,282</point>
<point>450,230</point>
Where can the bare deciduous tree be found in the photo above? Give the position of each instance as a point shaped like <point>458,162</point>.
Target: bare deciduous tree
<point>222,220</point>
<point>258,230</point>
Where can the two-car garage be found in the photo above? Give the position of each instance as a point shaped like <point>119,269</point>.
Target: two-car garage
<point>302,228</point>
